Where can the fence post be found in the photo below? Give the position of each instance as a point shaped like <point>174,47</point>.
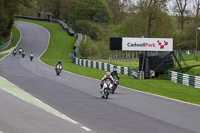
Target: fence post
<point>136,56</point>
<point>126,56</point>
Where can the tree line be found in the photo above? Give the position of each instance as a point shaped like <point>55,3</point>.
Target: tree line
<point>102,19</point>
<point>7,9</point>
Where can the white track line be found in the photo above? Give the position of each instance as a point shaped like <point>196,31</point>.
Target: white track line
<point>87,129</point>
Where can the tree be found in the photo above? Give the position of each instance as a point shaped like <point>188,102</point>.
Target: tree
<point>197,8</point>
<point>118,9</point>
<point>151,9</point>
<point>53,6</point>
<point>92,10</point>
<point>7,11</point>
<point>180,8</point>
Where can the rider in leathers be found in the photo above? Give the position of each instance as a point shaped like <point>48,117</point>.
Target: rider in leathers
<point>115,74</point>
<point>59,62</point>
<point>107,76</point>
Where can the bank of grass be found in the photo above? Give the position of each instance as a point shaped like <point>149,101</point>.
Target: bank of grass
<point>61,45</point>
<point>1,56</point>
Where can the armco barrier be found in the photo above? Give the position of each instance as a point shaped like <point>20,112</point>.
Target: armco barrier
<point>77,44</point>
<point>107,67</point>
<point>185,79</point>
<point>2,47</point>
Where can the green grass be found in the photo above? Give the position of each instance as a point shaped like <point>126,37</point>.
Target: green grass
<point>1,56</point>
<point>61,45</point>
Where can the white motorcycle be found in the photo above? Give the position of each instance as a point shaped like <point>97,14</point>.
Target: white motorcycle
<point>58,69</point>
<point>107,87</point>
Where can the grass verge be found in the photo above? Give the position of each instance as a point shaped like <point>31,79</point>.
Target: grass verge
<point>61,45</point>
<point>1,56</point>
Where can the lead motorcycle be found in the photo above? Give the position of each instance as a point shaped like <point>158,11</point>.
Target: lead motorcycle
<point>107,86</point>
<point>58,69</point>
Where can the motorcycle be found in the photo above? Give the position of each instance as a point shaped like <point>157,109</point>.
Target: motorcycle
<point>107,86</point>
<point>20,51</point>
<point>23,54</point>
<point>58,69</point>
<point>31,57</point>
<point>14,52</point>
<point>116,82</point>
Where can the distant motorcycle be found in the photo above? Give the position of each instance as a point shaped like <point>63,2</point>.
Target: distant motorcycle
<point>14,52</point>
<point>20,51</point>
<point>58,69</point>
<point>31,56</point>
<point>23,54</point>
<point>116,82</point>
<point>107,86</point>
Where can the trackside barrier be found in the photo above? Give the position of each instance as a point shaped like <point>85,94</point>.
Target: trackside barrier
<point>77,44</point>
<point>107,67</point>
<point>185,79</point>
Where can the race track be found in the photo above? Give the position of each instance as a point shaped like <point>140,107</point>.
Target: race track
<point>127,111</point>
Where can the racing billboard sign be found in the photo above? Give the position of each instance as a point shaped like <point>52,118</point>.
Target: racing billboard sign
<point>147,44</point>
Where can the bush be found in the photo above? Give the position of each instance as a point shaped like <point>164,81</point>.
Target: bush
<point>4,23</point>
<point>91,29</point>
<point>83,26</point>
<point>92,49</point>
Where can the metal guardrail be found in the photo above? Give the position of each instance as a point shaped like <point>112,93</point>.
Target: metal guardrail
<point>2,47</point>
<point>77,44</point>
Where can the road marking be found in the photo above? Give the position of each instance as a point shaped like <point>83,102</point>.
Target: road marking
<point>87,129</point>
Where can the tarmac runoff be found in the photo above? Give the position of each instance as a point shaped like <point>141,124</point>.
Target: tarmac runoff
<point>14,90</point>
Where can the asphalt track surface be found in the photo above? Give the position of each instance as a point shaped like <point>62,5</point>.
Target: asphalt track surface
<point>127,111</point>
<point>18,116</point>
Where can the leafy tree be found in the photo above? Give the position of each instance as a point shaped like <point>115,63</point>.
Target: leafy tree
<point>8,9</point>
<point>151,8</point>
<point>118,9</point>
<point>180,8</point>
<point>92,10</point>
<point>4,21</point>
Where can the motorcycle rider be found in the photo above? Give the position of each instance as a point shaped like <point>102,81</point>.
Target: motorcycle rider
<point>31,55</point>
<point>23,54</point>
<point>20,50</point>
<point>115,74</point>
<point>59,63</point>
<point>107,76</point>
<point>14,52</point>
